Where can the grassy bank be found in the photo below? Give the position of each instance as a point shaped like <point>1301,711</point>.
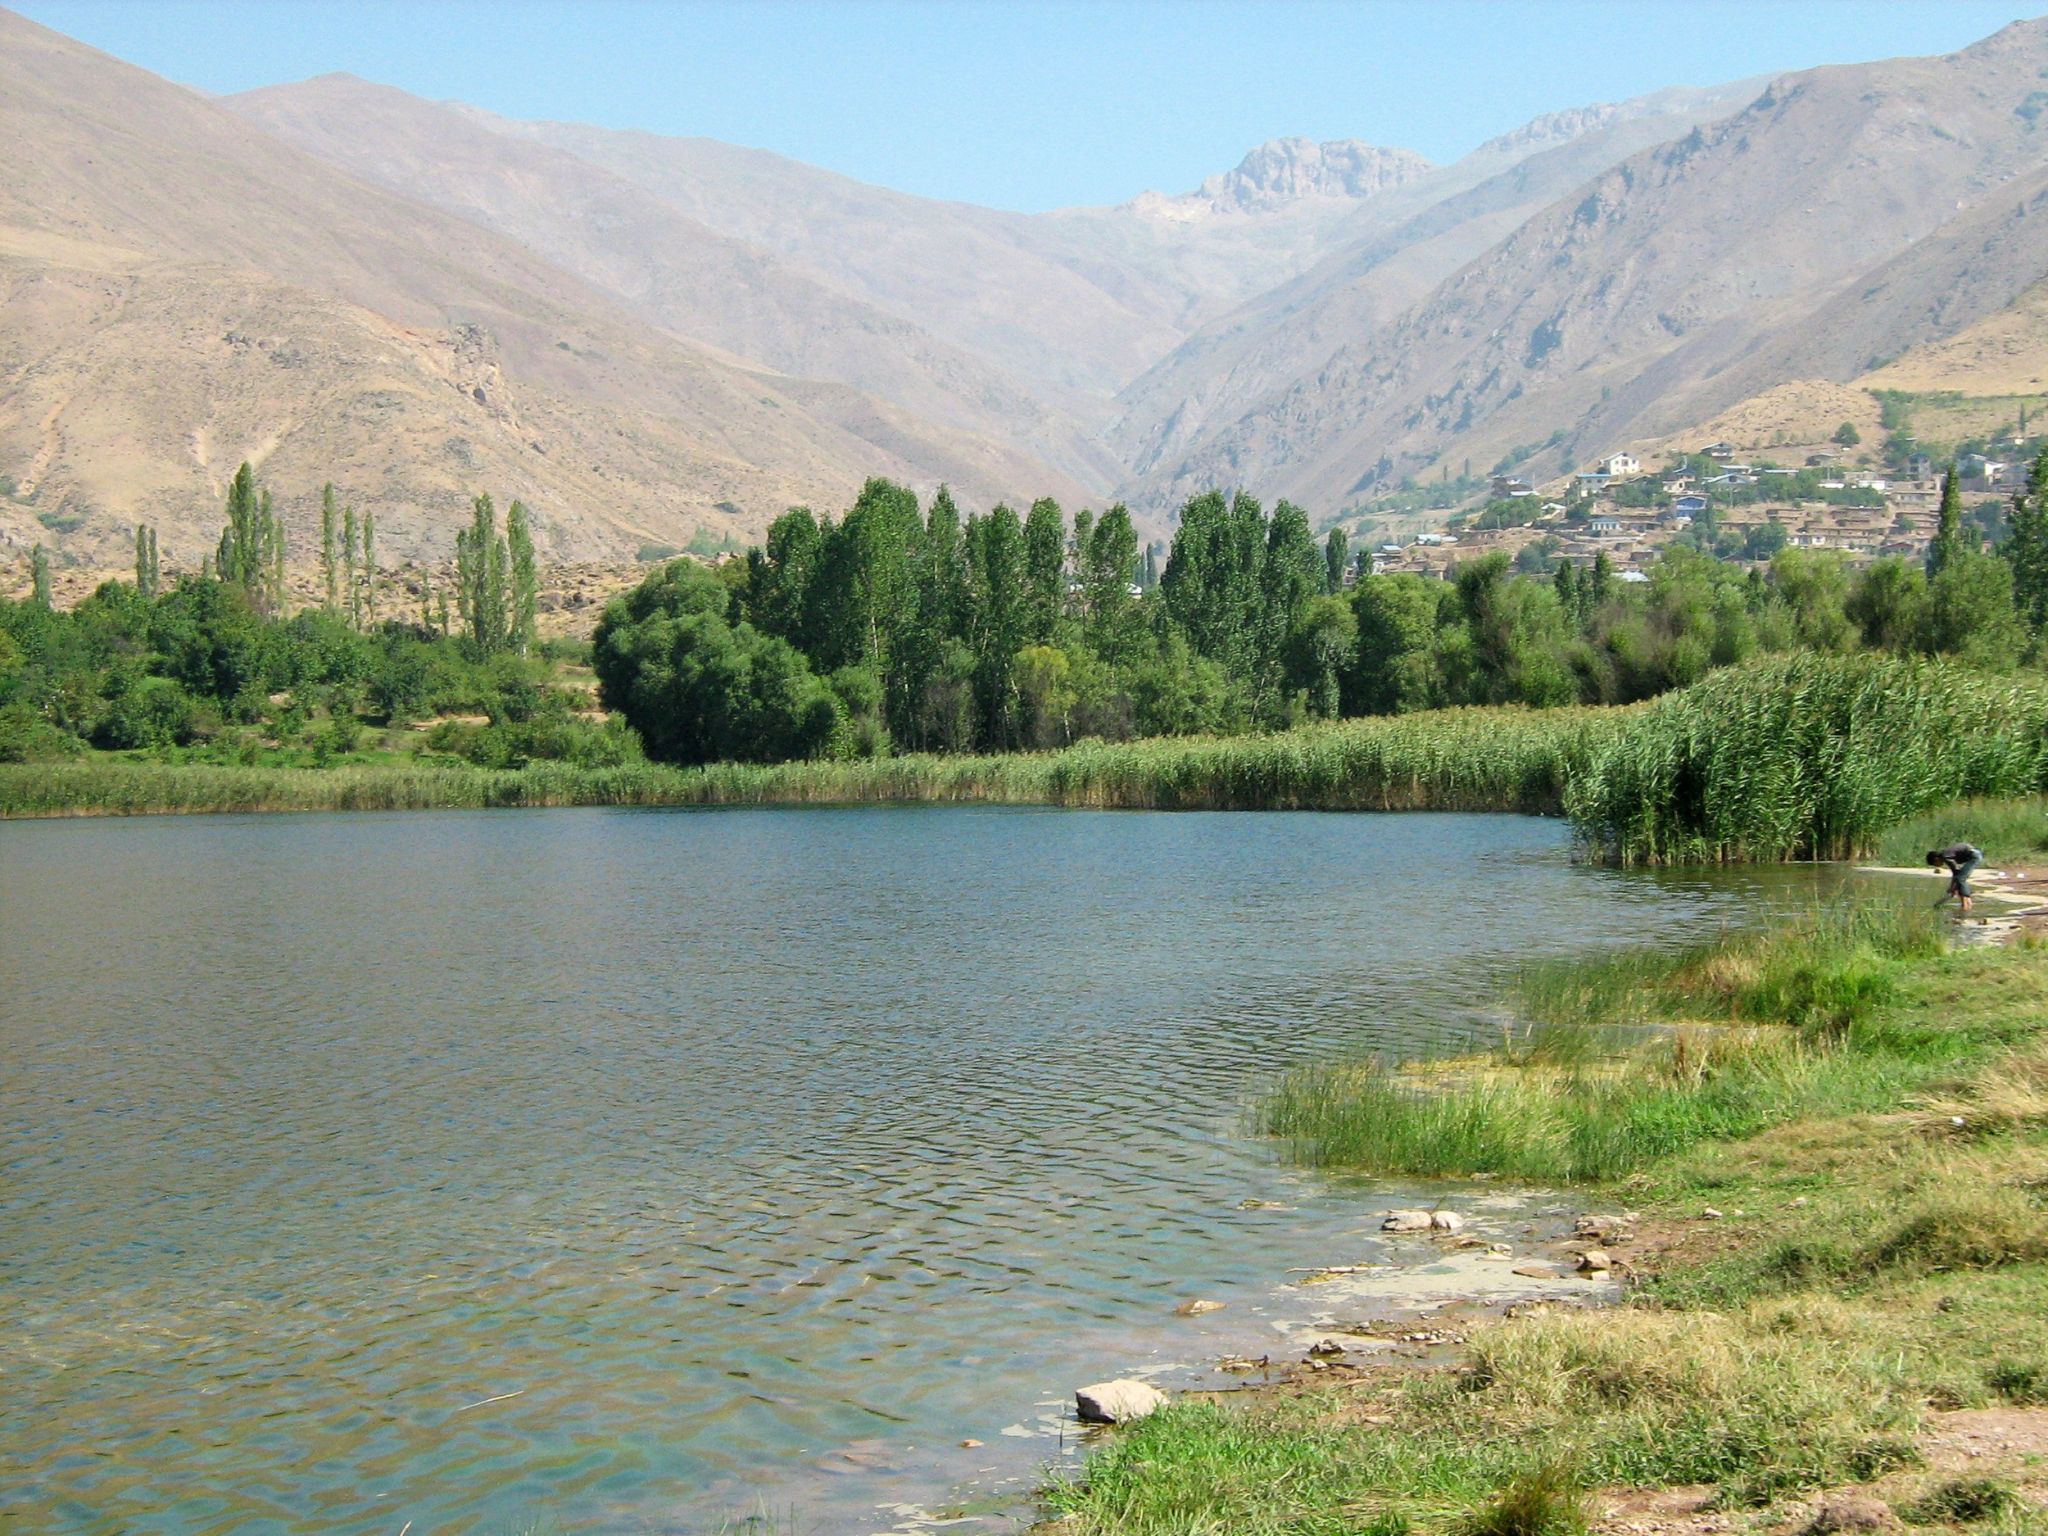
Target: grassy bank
<point>1884,1259</point>
<point>1479,759</point>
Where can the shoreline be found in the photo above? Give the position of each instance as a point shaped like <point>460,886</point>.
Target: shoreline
<point>1830,1229</point>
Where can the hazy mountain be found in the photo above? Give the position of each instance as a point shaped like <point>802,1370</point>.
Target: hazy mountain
<point>1398,251</point>
<point>643,337</point>
<point>184,291</point>
<point>680,273</point>
<point>1680,280</point>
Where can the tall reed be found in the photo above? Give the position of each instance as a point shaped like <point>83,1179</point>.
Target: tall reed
<point>1804,756</point>
<point>1454,760</point>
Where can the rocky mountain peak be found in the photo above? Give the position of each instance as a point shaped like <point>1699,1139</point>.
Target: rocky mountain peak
<point>1286,171</point>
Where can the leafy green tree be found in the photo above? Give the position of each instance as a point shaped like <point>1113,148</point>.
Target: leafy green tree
<point>697,689</point>
<point>39,576</point>
<point>1045,570</point>
<point>1847,435</point>
<point>1114,621</point>
<point>1970,612</point>
<point>1322,646</point>
<point>1291,573</point>
<point>1395,668</point>
<point>1813,584</point>
<point>780,576</point>
<point>1888,605</point>
<point>1336,552</point>
<point>1045,694</point>
<point>995,557</point>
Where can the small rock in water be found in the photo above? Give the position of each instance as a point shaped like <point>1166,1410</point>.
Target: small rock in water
<point>1536,1271</point>
<point>1262,1205</point>
<point>1196,1307</point>
<point>1407,1221</point>
<point>1446,1221</point>
<point>1117,1402</point>
<point>970,1445</point>
<point>1326,1347</point>
<point>1594,1261</point>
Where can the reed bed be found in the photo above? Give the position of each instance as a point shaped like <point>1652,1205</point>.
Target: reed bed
<point>1804,757</point>
<point>1463,760</point>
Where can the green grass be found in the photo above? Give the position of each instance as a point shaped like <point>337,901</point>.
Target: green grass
<point>2009,832</point>
<point>1754,1030</point>
<point>1481,759</point>
<point>1877,1262</point>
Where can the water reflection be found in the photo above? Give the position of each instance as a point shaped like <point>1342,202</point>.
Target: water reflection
<point>624,1168</point>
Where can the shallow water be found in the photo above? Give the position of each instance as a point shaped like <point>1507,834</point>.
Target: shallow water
<point>636,1171</point>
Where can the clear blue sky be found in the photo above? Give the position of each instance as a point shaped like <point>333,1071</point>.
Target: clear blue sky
<point>1022,105</point>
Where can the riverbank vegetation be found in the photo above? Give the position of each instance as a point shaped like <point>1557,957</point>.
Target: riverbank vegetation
<point>1876,1258</point>
<point>820,660</point>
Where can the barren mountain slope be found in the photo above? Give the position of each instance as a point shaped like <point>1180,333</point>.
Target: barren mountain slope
<point>1620,310</point>
<point>1082,299</point>
<point>183,290</point>
<point>677,271</point>
<point>1401,247</point>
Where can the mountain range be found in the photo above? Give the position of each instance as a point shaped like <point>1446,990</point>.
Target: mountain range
<point>657,340</point>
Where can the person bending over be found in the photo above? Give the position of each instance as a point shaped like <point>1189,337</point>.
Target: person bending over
<point>1960,861</point>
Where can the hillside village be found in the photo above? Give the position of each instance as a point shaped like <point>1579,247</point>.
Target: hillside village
<point>1739,504</point>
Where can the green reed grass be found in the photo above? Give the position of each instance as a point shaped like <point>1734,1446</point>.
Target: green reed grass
<point>1805,756</point>
<point>1466,760</point>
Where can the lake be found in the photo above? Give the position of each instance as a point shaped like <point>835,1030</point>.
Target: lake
<point>650,1170</point>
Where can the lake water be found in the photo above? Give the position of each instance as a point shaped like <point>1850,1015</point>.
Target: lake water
<point>640,1171</point>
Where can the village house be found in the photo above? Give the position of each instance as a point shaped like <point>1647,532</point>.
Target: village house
<point>1620,465</point>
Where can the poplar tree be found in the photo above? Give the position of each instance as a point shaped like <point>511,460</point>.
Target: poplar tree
<point>525,578</point>
<point>39,576</point>
<point>483,593</point>
<point>147,571</point>
<point>251,551</point>
<point>1336,551</point>
<point>273,559</point>
<point>995,559</point>
<point>1115,623</point>
<point>351,538</point>
<point>2026,549</point>
<point>1045,568</point>
<point>330,573</point>
<point>370,568</point>
<point>1948,528</point>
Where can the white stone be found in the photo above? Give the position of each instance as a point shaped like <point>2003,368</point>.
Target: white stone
<point>1117,1402</point>
<point>1406,1221</point>
<point>1446,1221</point>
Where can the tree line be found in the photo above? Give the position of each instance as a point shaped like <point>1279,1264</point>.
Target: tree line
<point>211,666</point>
<point>900,628</point>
